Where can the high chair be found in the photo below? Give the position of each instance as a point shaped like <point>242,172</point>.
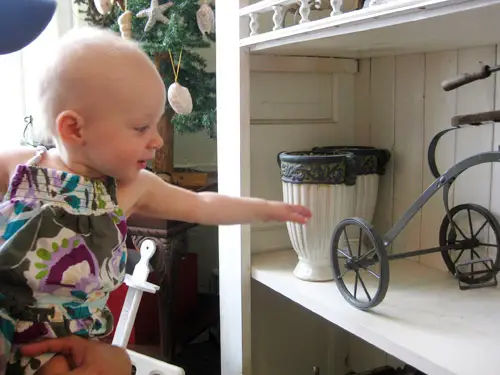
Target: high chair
<point>137,284</point>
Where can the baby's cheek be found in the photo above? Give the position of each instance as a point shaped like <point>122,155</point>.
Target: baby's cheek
<point>56,365</point>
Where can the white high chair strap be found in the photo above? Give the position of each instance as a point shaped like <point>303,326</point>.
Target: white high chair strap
<point>35,160</point>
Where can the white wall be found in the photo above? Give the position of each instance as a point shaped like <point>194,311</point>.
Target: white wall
<point>401,106</point>
<point>291,112</point>
<point>398,105</point>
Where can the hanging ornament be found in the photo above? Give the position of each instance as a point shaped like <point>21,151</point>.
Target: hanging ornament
<point>205,17</point>
<point>125,23</point>
<point>178,95</point>
<point>103,6</point>
<point>154,14</point>
<point>121,4</point>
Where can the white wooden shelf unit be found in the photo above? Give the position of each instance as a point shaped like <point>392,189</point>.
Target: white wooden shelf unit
<point>423,320</point>
<point>404,26</point>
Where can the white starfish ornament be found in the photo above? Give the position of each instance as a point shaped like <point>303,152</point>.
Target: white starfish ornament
<point>154,14</point>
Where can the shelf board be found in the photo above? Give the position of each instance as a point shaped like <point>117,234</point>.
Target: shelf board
<point>425,320</point>
<point>409,26</point>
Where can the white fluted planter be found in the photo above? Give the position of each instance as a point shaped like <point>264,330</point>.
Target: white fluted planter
<point>326,185</point>
<point>370,163</point>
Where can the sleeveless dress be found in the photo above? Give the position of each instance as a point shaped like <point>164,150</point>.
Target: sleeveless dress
<point>62,251</point>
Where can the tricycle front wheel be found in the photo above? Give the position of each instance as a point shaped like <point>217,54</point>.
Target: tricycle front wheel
<point>360,265</point>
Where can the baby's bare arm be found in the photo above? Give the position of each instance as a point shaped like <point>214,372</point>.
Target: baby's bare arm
<point>155,198</point>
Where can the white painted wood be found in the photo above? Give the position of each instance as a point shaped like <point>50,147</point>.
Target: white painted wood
<point>300,64</point>
<point>373,111</point>
<point>263,6</point>
<point>233,154</point>
<point>475,97</point>
<point>283,96</point>
<point>394,28</point>
<point>495,170</point>
<point>440,107</point>
<point>408,146</point>
<point>382,88</point>
<point>304,11</point>
<point>398,105</point>
<point>278,16</point>
<point>290,97</point>
<point>362,118</point>
<point>271,139</point>
<point>421,320</point>
<point>254,24</point>
<point>280,328</point>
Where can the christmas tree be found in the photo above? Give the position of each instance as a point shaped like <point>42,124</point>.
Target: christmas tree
<point>181,33</point>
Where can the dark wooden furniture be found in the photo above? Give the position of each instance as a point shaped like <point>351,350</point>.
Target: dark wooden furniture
<point>171,238</point>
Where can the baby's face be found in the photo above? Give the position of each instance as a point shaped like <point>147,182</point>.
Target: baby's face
<point>122,135</point>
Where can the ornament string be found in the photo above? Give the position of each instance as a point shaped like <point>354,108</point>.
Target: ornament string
<point>176,71</point>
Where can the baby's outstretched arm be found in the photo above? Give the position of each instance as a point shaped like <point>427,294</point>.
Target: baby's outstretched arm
<point>156,198</point>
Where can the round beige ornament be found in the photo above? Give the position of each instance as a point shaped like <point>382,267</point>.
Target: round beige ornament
<point>205,17</point>
<point>180,99</point>
<point>103,6</point>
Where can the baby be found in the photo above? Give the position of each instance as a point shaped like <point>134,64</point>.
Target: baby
<point>63,216</point>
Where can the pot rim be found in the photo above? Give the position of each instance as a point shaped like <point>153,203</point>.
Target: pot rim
<point>308,156</point>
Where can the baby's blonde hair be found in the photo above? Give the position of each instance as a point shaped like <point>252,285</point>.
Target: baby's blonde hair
<point>67,78</point>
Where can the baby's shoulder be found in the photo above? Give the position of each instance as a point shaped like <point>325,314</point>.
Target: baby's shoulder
<point>9,159</point>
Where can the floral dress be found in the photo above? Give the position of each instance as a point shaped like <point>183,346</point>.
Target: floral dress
<point>62,251</point>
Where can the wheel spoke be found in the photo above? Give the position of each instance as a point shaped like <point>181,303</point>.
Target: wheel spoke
<point>343,273</point>
<point>364,286</point>
<point>455,225</point>
<point>347,240</point>
<point>356,284</point>
<point>470,224</point>
<point>371,272</point>
<point>459,256</point>
<point>359,241</point>
<point>365,255</point>
<point>480,228</point>
<point>344,254</point>
<point>478,257</point>
<point>487,244</point>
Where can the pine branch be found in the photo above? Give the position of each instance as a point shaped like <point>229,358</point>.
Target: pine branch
<point>180,33</point>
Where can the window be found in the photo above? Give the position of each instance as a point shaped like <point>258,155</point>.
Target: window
<point>18,75</point>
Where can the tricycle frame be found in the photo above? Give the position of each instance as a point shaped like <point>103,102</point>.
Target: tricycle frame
<point>448,240</point>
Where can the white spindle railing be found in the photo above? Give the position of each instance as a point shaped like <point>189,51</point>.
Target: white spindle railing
<point>280,8</point>
<point>305,11</point>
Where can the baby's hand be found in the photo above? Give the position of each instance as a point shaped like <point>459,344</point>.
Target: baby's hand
<point>280,211</point>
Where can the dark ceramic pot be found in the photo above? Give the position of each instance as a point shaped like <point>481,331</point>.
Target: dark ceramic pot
<point>317,167</point>
<point>370,164</point>
<point>325,183</point>
<point>368,160</point>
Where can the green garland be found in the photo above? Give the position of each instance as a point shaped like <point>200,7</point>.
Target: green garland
<point>181,32</point>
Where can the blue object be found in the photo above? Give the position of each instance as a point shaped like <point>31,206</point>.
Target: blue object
<point>22,21</point>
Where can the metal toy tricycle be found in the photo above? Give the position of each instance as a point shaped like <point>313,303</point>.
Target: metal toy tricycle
<point>466,230</point>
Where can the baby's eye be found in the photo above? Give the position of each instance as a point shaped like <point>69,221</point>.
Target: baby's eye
<point>142,129</point>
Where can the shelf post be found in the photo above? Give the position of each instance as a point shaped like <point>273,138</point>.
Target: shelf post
<point>233,159</point>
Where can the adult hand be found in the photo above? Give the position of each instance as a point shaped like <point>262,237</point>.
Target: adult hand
<point>85,357</point>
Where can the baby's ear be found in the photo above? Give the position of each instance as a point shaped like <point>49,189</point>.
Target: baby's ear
<point>69,126</point>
